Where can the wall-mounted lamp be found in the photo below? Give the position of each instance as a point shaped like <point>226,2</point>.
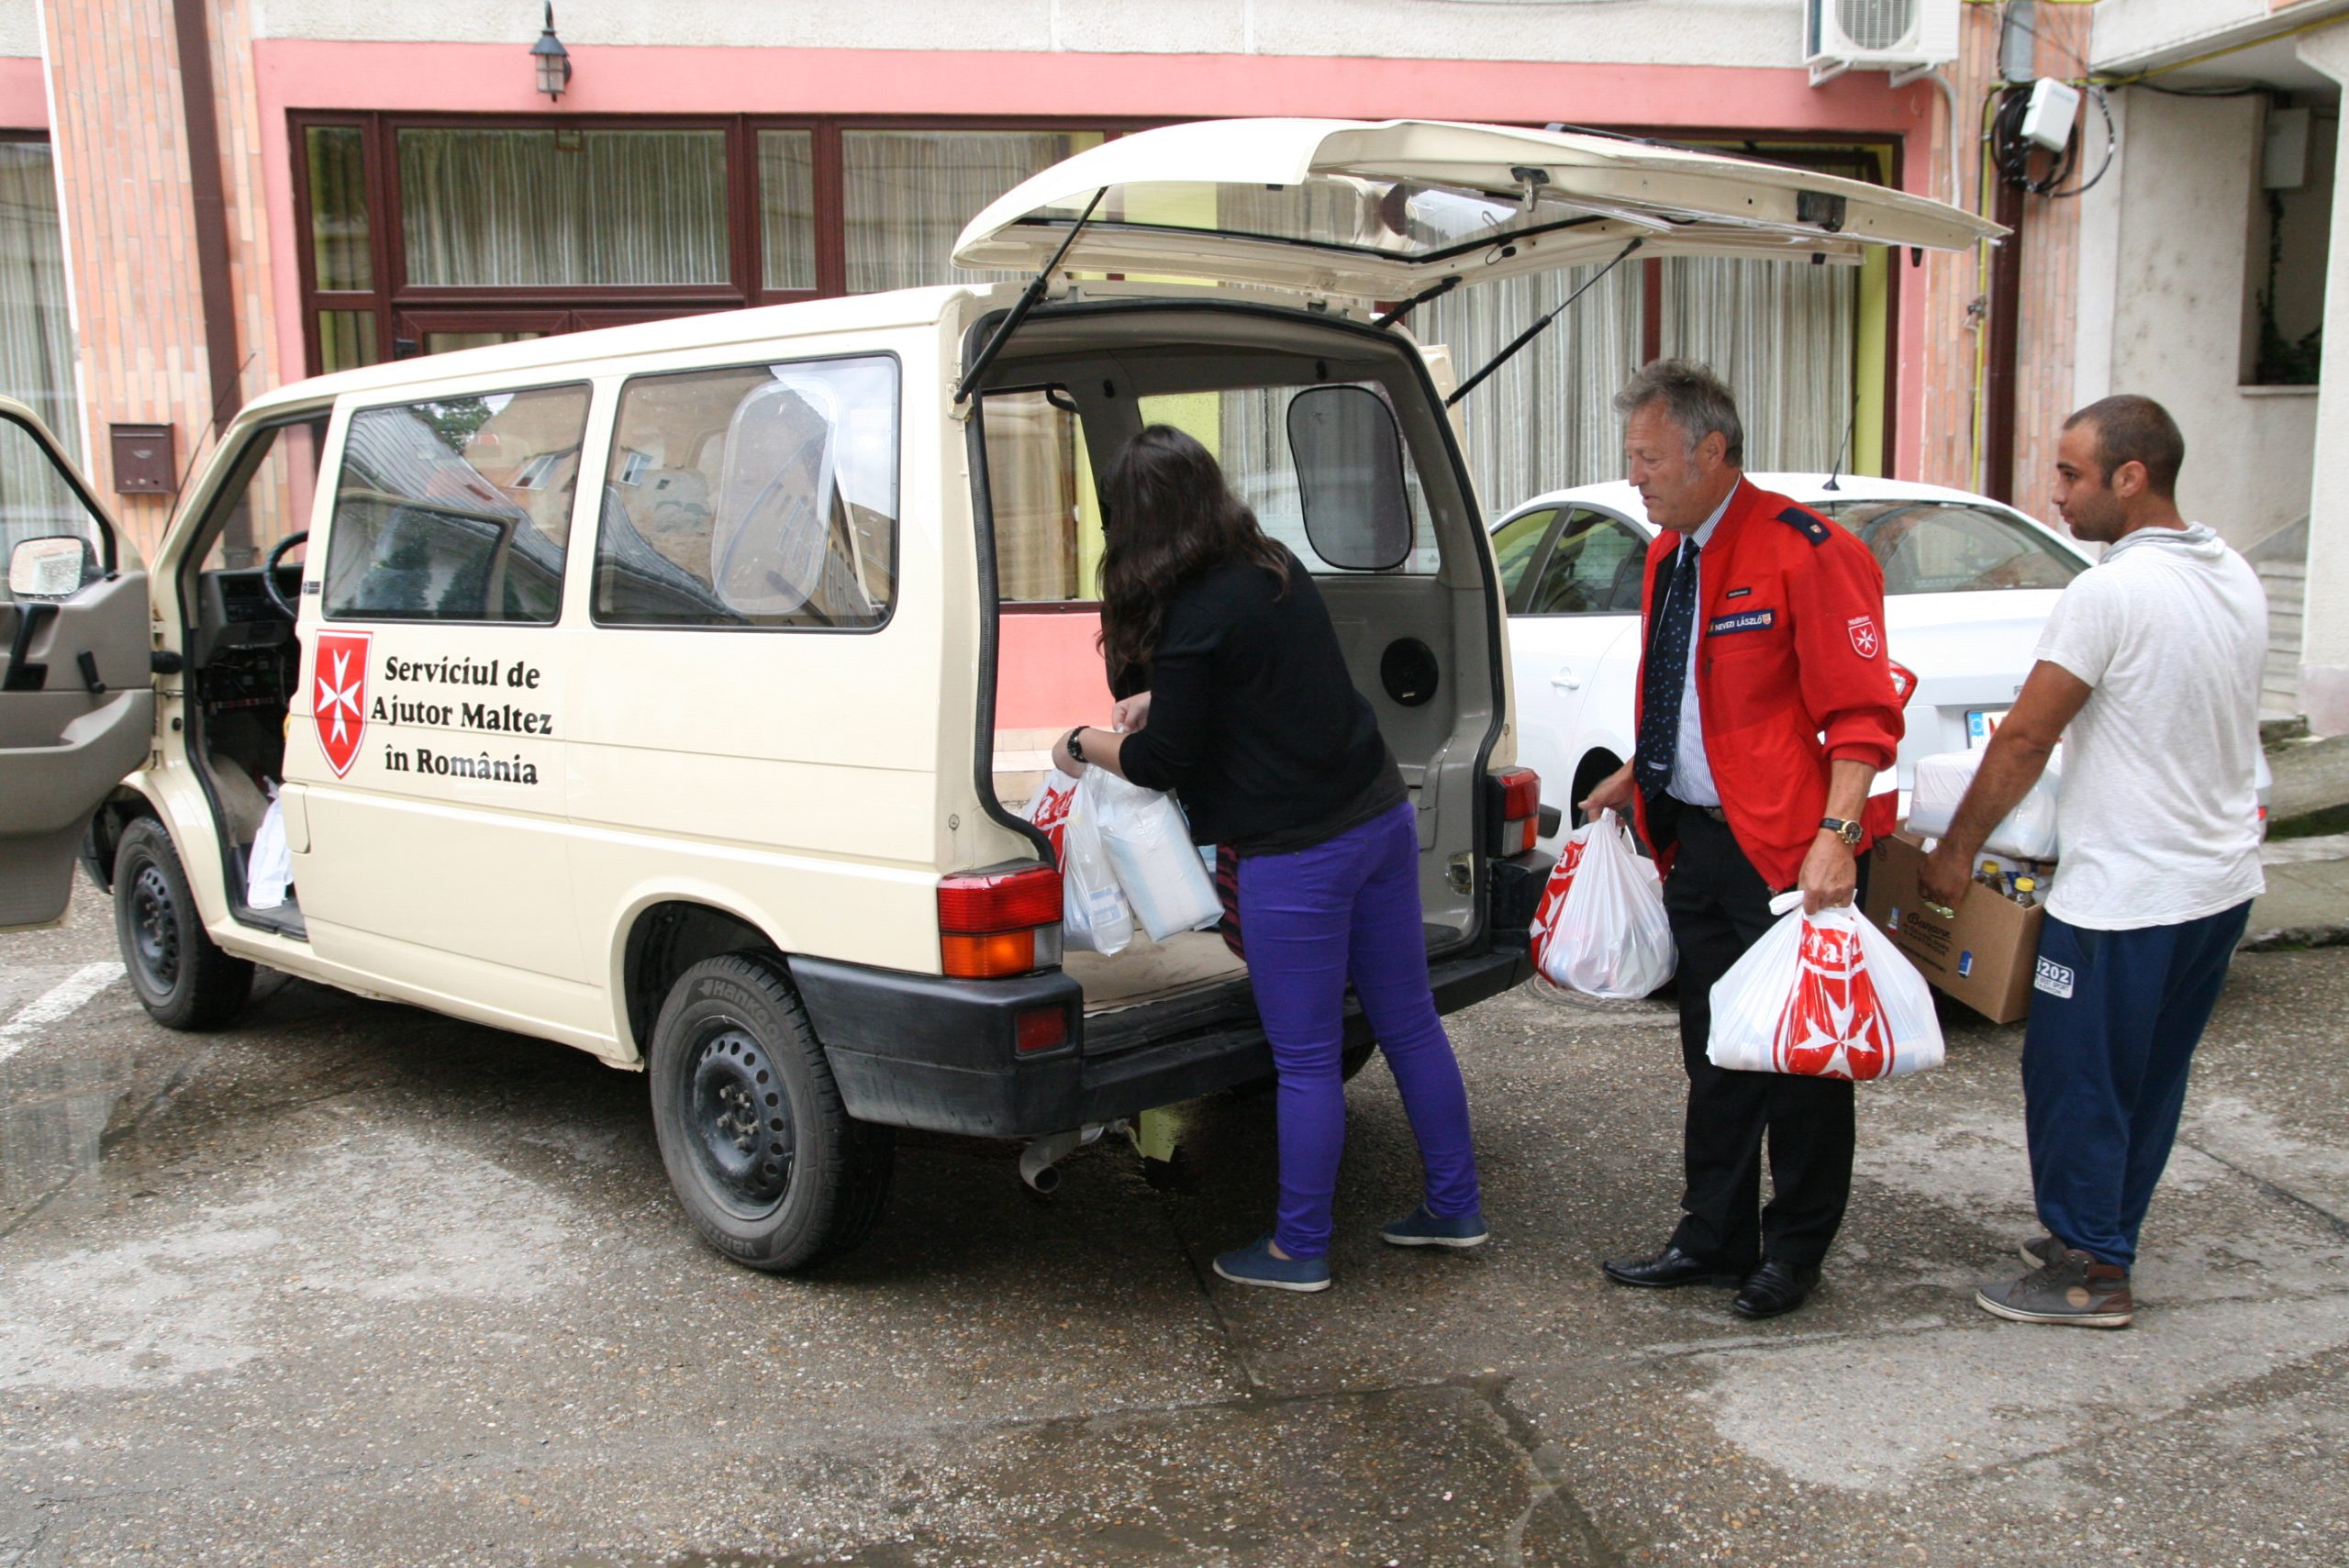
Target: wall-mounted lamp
<point>553,60</point>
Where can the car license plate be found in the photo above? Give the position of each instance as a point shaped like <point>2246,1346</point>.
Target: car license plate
<point>1981,723</point>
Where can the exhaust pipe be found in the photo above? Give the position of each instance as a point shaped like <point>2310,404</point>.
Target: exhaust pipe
<point>1039,1160</point>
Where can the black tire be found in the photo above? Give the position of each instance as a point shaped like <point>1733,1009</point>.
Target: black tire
<point>182,980</point>
<point>770,1168</point>
<point>1355,1058</point>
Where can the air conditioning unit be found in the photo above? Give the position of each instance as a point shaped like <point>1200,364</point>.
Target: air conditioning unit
<point>1877,35</point>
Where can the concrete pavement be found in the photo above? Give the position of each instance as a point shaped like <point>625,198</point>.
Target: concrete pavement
<point>2307,901</point>
<point>353,1283</point>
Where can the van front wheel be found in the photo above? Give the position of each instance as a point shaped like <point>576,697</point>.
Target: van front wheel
<point>770,1168</point>
<point>182,978</point>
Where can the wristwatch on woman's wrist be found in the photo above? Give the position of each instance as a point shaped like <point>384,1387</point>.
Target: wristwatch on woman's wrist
<point>1076,751</point>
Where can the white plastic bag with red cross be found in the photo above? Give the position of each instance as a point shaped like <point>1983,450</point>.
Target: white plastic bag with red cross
<point>1823,995</point>
<point>1095,916</point>
<point>1600,928</point>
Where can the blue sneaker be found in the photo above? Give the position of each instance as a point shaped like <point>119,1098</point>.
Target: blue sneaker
<point>1254,1264</point>
<point>1420,1229</point>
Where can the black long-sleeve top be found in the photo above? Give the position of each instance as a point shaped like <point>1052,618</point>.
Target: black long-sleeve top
<point>1254,718</point>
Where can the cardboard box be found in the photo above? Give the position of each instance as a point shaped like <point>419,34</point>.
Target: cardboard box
<point>1986,958</point>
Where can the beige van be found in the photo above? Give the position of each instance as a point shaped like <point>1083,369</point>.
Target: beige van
<point>672,691</point>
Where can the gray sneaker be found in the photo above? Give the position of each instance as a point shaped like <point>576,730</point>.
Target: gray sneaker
<point>2074,1289</point>
<point>2040,1251</point>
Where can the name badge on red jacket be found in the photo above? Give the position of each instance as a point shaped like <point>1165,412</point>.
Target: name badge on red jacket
<point>1743,620</point>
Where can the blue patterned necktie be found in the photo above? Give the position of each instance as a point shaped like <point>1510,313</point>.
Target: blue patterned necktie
<point>1663,674</point>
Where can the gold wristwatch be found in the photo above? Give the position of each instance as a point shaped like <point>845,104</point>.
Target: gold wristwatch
<point>1847,831</point>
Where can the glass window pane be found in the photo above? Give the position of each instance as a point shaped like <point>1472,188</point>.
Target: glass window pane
<point>346,339</point>
<point>341,250</point>
<point>1247,428</point>
<point>1545,419</point>
<point>1047,528</point>
<point>450,342</point>
<point>906,195</point>
<point>1594,569</point>
<point>1513,548</point>
<point>787,208</point>
<point>269,494</point>
<point>444,512</point>
<point>1784,338</point>
<point>765,496</point>
<point>36,334</point>
<point>34,500</point>
<point>530,207</point>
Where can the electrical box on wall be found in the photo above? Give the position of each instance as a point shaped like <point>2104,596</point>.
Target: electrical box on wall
<point>1877,35</point>
<point>2284,163</point>
<point>2047,119</point>
<point>142,459</point>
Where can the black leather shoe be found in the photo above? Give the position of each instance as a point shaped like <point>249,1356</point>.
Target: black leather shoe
<point>1773,1288</point>
<point>1666,1268</point>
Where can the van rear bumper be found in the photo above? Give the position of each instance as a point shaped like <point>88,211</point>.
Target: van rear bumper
<point>919,1050</point>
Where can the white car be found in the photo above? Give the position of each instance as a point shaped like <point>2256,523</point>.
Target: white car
<point>1968,584</point>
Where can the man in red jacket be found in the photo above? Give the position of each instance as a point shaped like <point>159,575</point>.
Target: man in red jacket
<point>1766,706</point>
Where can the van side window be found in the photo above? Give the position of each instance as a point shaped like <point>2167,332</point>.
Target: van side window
<point>1250,431</point>
<point>760,496</point>
<point>456,509</point>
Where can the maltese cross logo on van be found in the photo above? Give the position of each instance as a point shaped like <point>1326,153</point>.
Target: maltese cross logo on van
<point>338,702</point>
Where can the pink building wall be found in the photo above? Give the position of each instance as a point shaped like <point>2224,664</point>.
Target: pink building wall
<point>496,79</point>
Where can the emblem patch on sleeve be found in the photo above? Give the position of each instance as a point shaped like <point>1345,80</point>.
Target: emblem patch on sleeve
<point>1866,641</point>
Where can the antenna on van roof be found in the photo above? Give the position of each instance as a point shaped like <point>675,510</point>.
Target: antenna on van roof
<point>1027,301</point>
<point>1497,361</point>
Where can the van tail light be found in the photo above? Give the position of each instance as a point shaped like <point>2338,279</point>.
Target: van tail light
<point>1516,800</point>
<point>1904,679</point>
<point>993,924</point>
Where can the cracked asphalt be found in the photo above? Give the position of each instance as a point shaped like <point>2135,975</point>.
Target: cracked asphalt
<point>353,1283</point>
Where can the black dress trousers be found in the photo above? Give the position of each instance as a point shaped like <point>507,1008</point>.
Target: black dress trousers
<point>1719,906</point>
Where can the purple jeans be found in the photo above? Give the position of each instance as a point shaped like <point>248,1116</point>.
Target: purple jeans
<point>1349,908</point>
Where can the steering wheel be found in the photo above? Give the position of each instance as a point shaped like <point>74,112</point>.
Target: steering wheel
<point>269,574</point>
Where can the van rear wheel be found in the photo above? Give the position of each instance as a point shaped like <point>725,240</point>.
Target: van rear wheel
<point>182,979</point>
<point>771,1170</point>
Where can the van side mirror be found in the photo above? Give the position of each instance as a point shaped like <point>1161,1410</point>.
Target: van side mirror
<point>1349,455</point>
<point>51,568</point>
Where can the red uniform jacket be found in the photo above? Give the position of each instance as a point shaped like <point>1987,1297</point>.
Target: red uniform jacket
<point>1791,670</point>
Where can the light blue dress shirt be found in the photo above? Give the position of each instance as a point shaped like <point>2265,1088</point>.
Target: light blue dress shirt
<point>1692,775</point>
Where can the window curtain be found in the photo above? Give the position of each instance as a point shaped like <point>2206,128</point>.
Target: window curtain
<point>907,195</point>
<point>1546,418</point>
<point>36,336</point>
<point>528,207</point>
<point>1784,336</point>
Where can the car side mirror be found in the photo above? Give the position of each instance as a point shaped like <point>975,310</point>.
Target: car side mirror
<point>51,568</point>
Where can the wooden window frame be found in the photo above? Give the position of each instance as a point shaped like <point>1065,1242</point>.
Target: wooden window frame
<point>745,284</point>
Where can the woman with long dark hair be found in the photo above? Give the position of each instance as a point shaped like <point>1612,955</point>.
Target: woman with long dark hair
<point>1232,691</point>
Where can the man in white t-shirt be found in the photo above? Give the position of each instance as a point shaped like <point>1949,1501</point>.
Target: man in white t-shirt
<point>2151,664</point>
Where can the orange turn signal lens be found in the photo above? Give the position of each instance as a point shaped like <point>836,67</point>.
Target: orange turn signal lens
<point>991,956</point>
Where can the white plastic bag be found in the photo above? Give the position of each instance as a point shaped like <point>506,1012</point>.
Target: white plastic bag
<point>269,865</point>
<point>2028,833</point>
<point>1826,996</point>
<point>1150,848</point>
<point>1601,928</point>
<point>1095,916</point>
